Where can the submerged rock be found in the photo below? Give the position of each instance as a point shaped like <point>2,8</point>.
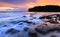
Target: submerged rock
<point>26,28</point>
<point>12,31</point>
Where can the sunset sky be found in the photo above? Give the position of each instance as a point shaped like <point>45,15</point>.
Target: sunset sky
<point>25,4</point>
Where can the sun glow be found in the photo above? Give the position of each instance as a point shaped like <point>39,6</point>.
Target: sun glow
<point>6,8</point>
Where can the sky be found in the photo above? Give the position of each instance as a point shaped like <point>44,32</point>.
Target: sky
<point>25,4</point>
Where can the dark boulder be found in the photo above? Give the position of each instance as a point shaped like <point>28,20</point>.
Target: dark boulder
<point>26,28</point>
<point>12,31</point>
<point>32,33</point>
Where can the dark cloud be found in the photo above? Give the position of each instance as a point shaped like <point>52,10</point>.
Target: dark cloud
<point>17,1</point>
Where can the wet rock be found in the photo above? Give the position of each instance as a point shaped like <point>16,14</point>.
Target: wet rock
<point>26,21</point>
<point>43,17</point>
<point>12,31</point>
<point>54,28</point>
<point>15,22</point>
<point>24,16</point>
<point>53,36</point>
<point>53,22</point>
<point>51,30</point>
<point>59,19</point>
<point>47,28</point>
<point>29,22</point>
<point>41,32</point>
<point>42,29</point>
<point>20,23</point>
<point>32,33</point>
<point>57,29</point>
<point>54,18</point>
<point>5,26</point>
<point>26,28</point>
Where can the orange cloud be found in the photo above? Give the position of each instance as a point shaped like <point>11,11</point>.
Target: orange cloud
<point>48,2</point>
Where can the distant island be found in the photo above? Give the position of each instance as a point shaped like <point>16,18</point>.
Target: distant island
<point>47,8</point>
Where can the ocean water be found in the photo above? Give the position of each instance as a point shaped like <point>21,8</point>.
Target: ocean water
<point>16,20</point>
<point>11,20</point>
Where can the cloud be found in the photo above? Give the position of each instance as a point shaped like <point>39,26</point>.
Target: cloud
<point>24,4</point>
<point>48,2</point>
<point>17,1</point>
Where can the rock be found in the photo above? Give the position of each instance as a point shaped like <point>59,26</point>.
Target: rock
<point>53,36</point>
<point>24,16</point>
<point>53,22</point>
<point>32,33</point>
<point>5,26</point>
<point>21,23</point>
<point>47,28</point>
<point>15,22</point>
<point>12,31</point>
<point>54,18</point>
<point>47,17</point>
<point>42,29</point>
<point>26,28</point>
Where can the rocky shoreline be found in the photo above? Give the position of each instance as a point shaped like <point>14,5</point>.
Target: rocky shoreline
<point>27,26</point>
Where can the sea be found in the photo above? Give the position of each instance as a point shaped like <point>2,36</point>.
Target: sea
<point>9,19</point>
